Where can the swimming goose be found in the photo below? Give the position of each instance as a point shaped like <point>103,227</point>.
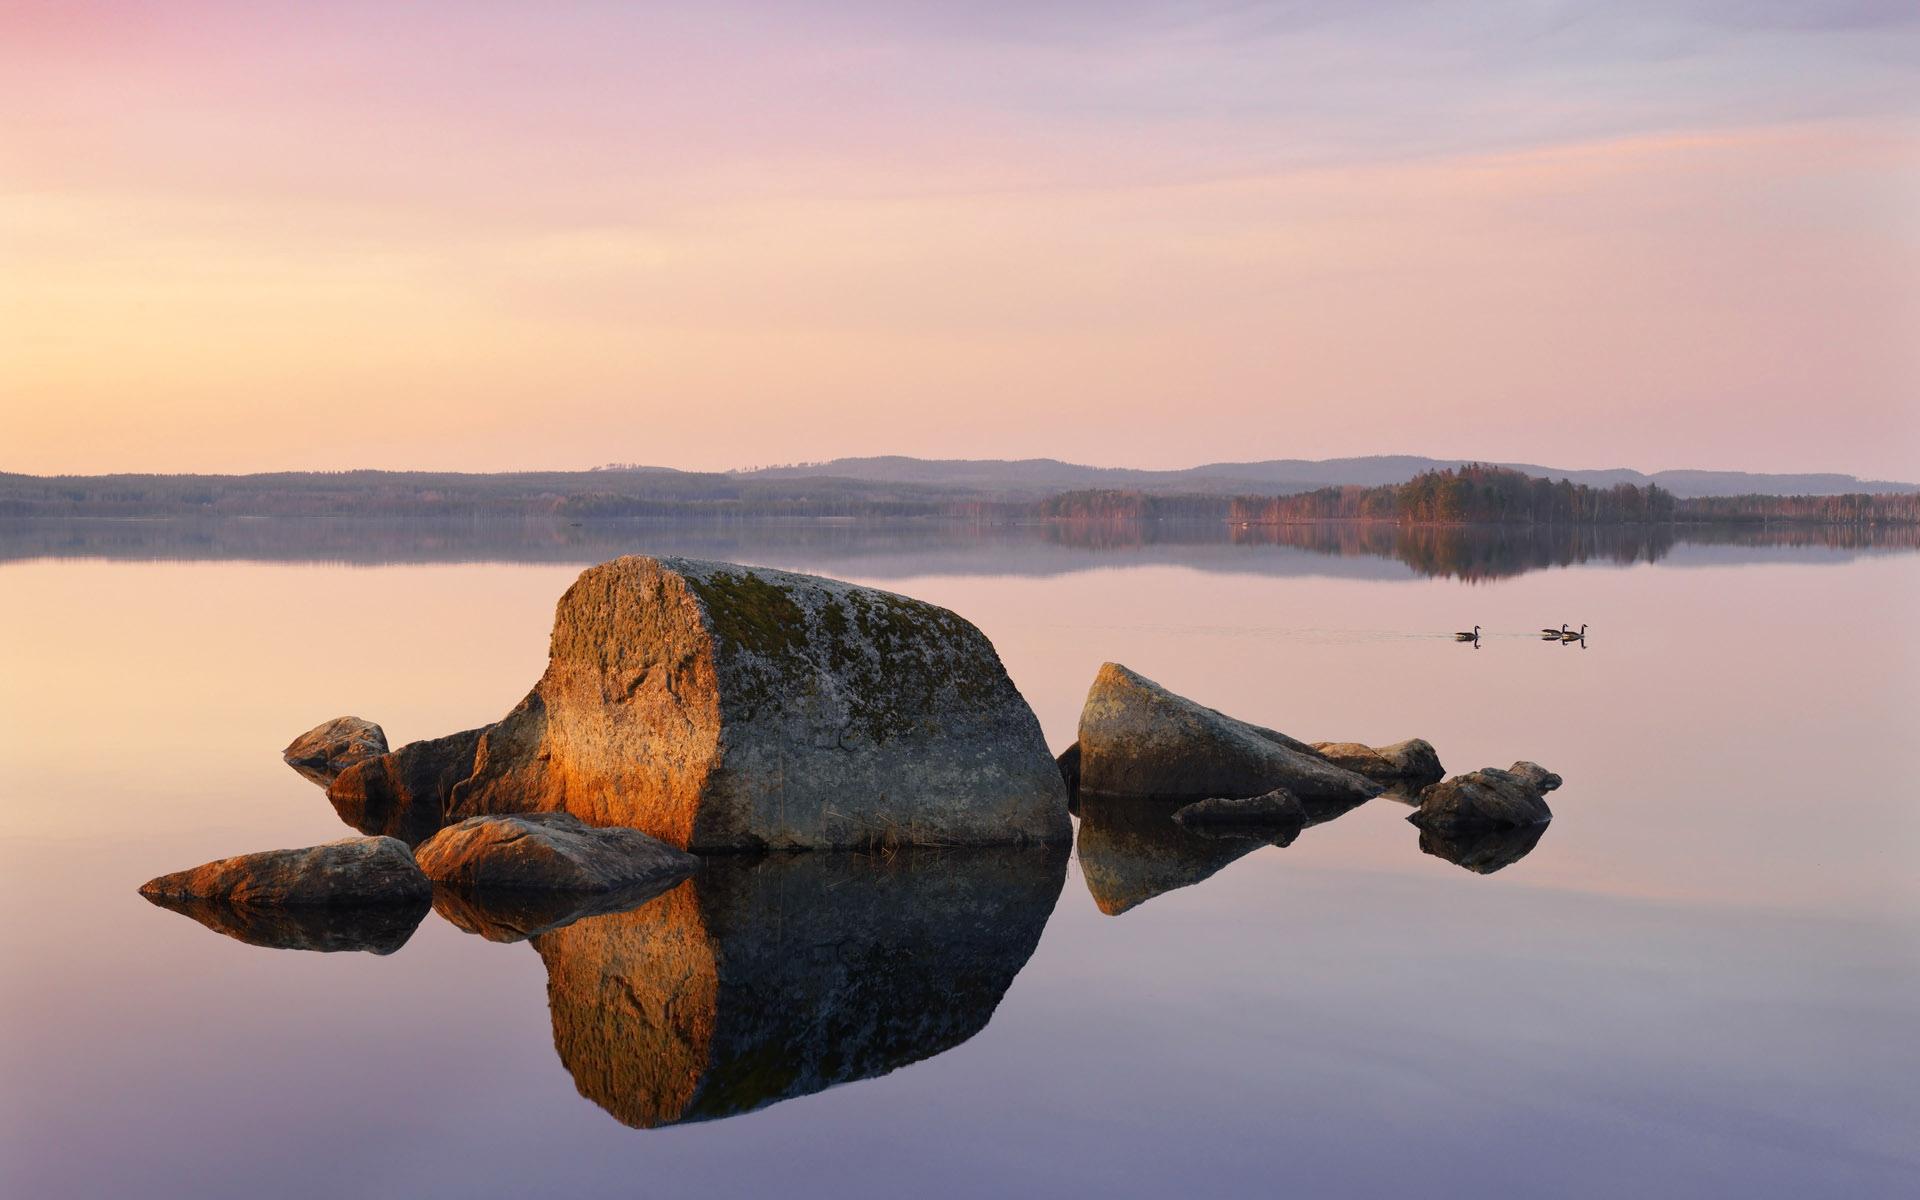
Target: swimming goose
<point>1575,637</point>
<point>1560,632</point>
<point>1468,637</point>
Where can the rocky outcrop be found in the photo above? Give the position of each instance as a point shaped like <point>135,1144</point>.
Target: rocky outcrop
<point>371,928</point>
<point>1271,809</point>
<point>553,852</point>
<point>720,707</point>
<point>768,977</point>
<point>1487,799</point>
<point>1483,851</point>
<point>343,874</point>
<point>1412,764</point>
<point>1139,739</point>
<point>405,794</point>
<point>324,751</point>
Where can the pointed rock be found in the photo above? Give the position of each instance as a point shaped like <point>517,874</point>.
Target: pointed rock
<point>1139,739</point>
<point>352,871</point>
<point>324,751</point>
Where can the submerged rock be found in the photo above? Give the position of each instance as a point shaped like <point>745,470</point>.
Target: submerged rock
<point>1483,851</point>
<point>1410,764</point>
<point>769,977</point>
<point>406,793</point>
<point>342,874</point>
<point>1139,739</point>
<point>1487,799</point>
<point>1275,808</point>
<point>324,751</point>
<point>720,707</point>
<point>554,852</point>
<point>372,928</point>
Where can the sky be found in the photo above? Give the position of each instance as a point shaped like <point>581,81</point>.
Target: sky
<point>488,236</point>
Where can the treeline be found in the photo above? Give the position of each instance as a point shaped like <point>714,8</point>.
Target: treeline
<point>1468,495</point>
<point>1107,505</point>
<point>1856,509</point>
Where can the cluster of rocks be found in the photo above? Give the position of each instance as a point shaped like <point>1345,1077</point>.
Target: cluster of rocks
<point>698,706</point>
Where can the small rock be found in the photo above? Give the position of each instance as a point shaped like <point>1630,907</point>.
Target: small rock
<point>1413,762</point>
<point>1274,808</point>
<point>1486,799</point>
<point>1139,739</point>
<point>352,871</point>
<point>324,751</point>
<point>405,794</point>
<point>552,851</point>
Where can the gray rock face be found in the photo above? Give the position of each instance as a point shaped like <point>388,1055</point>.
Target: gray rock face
<point>405,794</point>
<point>324,751</point>
<point>1410,764</point>
<point>720,707</point>
<point>342,874</point>
<point>1069,764</point>
<point>1275,808</point>
<point>1139,739</point>
<point>1487,799</point>
<point>550,852</point>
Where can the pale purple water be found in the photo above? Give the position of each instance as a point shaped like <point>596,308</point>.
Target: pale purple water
<point>1703,981</point>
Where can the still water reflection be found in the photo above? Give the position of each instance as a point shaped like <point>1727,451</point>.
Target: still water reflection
<point>1700,981</point>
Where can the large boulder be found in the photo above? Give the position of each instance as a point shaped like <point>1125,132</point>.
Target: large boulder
<point>323,752</point>
<point>405,794</point>
<point>342,874</point>
<point>555,852</point>
<point>720,707</point>
<point>1410,764</point>
<point>1487,799</point>
<point>1139,739</point>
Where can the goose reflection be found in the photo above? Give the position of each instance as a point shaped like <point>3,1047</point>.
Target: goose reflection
<point>759,980</point>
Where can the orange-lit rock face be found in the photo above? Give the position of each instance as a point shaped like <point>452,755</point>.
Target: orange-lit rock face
<point>723,707</point>
<point>758,981</point>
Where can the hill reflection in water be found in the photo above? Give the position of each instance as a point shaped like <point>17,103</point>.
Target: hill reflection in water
<point>899,549</point>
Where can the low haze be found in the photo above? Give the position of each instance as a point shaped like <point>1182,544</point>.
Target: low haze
<point>488,236</point>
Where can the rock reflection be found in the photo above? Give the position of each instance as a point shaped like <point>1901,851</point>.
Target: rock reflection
<point>759,980</point>
<point>1132,850</point>
<point>375,929</point>
<point>1483,852</point>
<point>502,915</point>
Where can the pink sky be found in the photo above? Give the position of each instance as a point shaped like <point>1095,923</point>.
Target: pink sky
<point>485,236</point>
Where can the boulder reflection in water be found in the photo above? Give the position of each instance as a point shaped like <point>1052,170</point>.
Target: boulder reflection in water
<point>759,980</point>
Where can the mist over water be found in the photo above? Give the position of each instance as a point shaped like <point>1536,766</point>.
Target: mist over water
<point>1699,980</point>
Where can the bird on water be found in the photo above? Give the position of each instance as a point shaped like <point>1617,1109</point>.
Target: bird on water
<point>1468,637</point>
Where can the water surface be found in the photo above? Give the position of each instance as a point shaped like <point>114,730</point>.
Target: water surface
<point>1700,980</point>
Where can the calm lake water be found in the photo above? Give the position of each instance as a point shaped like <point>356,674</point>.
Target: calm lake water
<point>1702,981</point>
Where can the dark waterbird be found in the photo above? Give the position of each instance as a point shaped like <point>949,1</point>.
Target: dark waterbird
<point>1468,637</point>
<point>1574,637</point>
<point>1560,632</point>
